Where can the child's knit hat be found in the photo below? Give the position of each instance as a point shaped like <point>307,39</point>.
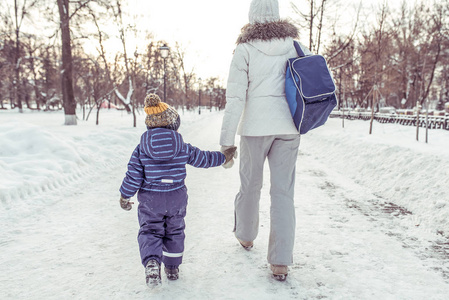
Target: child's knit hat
<point>160,114</point>
<point>263,11</point>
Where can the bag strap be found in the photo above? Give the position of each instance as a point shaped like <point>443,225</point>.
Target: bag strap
<point>298,49</point>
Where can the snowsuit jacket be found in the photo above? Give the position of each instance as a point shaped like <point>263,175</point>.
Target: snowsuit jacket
<point>255,95</point>
<point>159,162</point>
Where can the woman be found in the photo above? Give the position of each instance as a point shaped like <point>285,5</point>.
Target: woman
<point>256,104</point>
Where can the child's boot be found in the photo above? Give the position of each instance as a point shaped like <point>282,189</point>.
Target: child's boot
<point>172,272</point>
<point>153,273</point>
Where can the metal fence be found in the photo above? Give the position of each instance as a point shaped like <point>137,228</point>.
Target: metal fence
<point>434,122</point>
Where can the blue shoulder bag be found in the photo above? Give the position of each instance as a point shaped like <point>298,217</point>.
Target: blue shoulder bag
<point>310,90</point>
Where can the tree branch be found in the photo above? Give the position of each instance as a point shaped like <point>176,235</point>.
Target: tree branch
<point>81,6</point>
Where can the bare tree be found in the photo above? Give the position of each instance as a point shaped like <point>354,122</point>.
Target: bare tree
<point>434,49</point>
<point>102,52</point>
<point>79,6</point>
<point>66,74</point>
<point>312,20</point>
<point>373,50</point>
<point>418,42</point>
<point>33,48</point>
<point>21,11</point>
<point>49,75</point>
<point>118,17</point>
<point>184,77</point>
<point>7,63</point>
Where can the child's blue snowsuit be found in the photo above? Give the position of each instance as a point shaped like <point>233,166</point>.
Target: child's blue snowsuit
<point>157,171</point>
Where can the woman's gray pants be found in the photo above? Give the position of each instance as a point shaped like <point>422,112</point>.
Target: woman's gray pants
<point>281,151</point>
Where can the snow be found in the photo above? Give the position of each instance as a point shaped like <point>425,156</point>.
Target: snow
<point>126,100</point>
<point>371,213</point>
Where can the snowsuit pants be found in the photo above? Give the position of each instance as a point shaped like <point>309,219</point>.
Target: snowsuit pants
<point>281,151</point>
<point>161,219</point>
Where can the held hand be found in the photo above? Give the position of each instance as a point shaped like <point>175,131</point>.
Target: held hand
<point>228,165</point>
<point>230,153</point>
<point>125,204</point>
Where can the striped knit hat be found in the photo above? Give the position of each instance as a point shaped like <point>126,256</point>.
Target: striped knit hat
<point>160,114</point>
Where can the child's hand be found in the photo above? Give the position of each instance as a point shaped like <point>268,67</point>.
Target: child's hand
<point>125,204</point>
<point>229,164</point>
<point>230,153</point>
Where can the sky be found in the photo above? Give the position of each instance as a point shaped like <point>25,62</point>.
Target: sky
<point>206,29</point>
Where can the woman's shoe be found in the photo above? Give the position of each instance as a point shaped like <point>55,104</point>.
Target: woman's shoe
<point>280,272</point>
<point>246,245</point>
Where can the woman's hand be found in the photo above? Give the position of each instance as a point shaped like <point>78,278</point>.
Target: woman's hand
<point>230,152</point>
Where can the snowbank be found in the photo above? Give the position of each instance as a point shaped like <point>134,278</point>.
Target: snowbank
<point>392,164</point>
<point>35,160</point>
<point>38,154</point>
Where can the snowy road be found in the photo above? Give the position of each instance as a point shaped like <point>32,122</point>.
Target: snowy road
<point>74,242</point>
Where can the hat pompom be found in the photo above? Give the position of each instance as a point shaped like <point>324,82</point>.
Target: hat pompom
<point>152,100</point>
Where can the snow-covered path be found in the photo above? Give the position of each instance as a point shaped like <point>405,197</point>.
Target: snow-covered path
<point>74,241</point>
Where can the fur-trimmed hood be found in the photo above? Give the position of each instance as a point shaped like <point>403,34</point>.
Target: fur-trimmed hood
<point>267,31</point>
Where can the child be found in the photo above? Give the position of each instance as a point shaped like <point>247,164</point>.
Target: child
<point>157,171</point>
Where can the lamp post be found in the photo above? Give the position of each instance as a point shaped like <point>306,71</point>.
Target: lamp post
<point>164,54</point>
<point>199,96</point>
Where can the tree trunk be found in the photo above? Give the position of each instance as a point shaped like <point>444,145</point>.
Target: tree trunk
<point>418,108</point>
<point>372,110</point>
<point>16,81</point>
<point>25,93</point>
<point>66,73</point>
<point>320,26</point>
<point>35,86</point>
<point>311,26</point>
<point>99,104</point>
<point>1,100</point>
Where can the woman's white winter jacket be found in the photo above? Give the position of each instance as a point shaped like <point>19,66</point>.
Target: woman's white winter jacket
<point>255,96</point>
